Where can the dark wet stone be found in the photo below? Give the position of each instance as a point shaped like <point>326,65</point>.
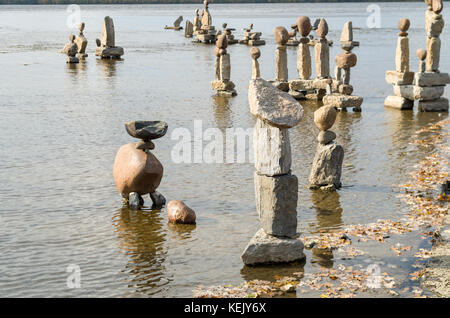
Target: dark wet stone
<point>146,130</point>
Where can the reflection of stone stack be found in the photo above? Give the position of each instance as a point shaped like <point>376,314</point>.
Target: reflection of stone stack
<point>229,34</point>
<point>222,69</point>
<point>342,96</point>
<point>281,68</point>
<point>106,47</point>
<point>401,78</point>
<point>252,38</point>
<point>327,165</point>
<point>276,189</point>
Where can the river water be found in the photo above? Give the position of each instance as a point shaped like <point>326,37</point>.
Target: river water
<point>61,126</point>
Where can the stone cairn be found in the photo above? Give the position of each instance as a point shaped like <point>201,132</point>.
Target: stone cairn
<point>276,189</point>
<point>189,29</point>
<point>136,170</point>
<point>342,97</point>
<point>251,37</point>
<point>71,50</point>
<point>327,165</point>
<point>81,42</point>
<point>222,69</point>
<point>428,84</point>
<point>293,36</point>
<point>281,67</point>
<point>176,24</point>
<point>204,31</point>
<point>229,34</point>
<point>255,53</point>
<point>106,47</point>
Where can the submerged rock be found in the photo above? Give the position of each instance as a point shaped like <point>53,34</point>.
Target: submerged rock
<point>179,212</point>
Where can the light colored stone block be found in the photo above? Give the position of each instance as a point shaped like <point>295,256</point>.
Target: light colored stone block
<point>322,56</point>
<point>399,78</point>
<point>398,102</point>
<point>402,55</point>
<point>431,79</point>
<point>433,54</point>
<point>413,92</point>
<point>342,101</point>
<point>438,105</point>
<point>281,67</point>
<point>327,166</point>
<point>303,61</point>
<point>225,67</point>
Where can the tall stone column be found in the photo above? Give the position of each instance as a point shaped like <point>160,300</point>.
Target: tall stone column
<point>281,67</point>
<point>434,23</point>
<point>222,69</point>
<point>255,54</point>
<point>402,51</point>
<point>322,51</point>
<point>303,54</point>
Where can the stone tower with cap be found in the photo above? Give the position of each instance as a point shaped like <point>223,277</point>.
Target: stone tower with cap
<point>222,69</point>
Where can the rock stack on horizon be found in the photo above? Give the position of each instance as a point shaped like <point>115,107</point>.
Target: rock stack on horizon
<point>222,69</point>
<point>204,31</point>
<point>106,47</point>
<point>251,37</point>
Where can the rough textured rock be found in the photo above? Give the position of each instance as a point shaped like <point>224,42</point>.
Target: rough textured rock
<point>342,101</point>
<point>225,67</point>
<point>421,54</point>
<point>189,29</point>
<point>433,54</point>
<point>108,35</point>
<point>272,149</point>
<point>179,212</point>
<point>437,105</point>
<point>327,166</point>
<point>322,29</point>
<point>281,35</point>
<point>322,57</point>
<point>345,60</point>
<point>276,203</point>
<point>146,130</point>
<point>431,79</point>
<point>402,55</point>
<point>134,200</point>
<point>403,25</point>
<point>304,61</point>
<point>281,66</point>
<point>399,78</point>
<point>222,86</point>
<point>136,171</point>
<point>417,92</point>
<point>347,32</point>
<point>267,249</point>
<point>325,137</point>
<point>398,102</point>
<point>325,117</point>
<point>158,200</point>
<point>303,26</point>
<point>272,105</point>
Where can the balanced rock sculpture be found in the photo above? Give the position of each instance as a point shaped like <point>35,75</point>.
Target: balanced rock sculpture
<point>255,53</point>
<point>81,42</point>
<point>204,31</point>
<point>327,165</point>
<point>106,47</point>
<point>281,67</point>
<point>340,91</point>
<point>136,170</point>
<point>189,29</point>
<point>71,50</point>
<point>276,188</point>
<point>251,37</point>
<point>229,33</point>
<point>222,69</point>
<point>176,24</point>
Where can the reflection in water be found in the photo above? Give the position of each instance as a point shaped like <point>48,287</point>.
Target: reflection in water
<point>222,112</point>
<point>142,238</point>
<point>329,210</point>
<point>324,257</point>
<point>109,66</point>
<point>267,272</point>
<point>181,232</point>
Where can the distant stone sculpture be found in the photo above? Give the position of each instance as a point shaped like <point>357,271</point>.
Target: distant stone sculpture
<point>293,36</point>
<point>106,47</point>
<point>281,67</point>
<point>428,84</point>
<point>222,69</point>
<point>229,34</point>
<point>176,24</point>
<point>327,165</point>
<point>251,38</point>
<point>255,54</point>
<point>81,42</point>
<point>136,170</point>
<point>178,212</point>
<point>322,51</point>
<point>276,188</point>
<point>340,91</point>
<point>205,32</point>
<point>189,29</point>
<point>71,50</point>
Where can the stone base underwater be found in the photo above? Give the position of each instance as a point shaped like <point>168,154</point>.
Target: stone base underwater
<point>267,249</point>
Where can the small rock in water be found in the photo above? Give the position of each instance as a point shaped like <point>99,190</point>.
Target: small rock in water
<point>288,288</point>
<point>158,200</point>
<point>178,212</point>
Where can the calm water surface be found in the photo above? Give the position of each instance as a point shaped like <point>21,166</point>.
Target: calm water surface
<point>61,126</point>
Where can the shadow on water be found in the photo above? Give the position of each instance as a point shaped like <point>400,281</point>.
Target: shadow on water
<point>141,236</point>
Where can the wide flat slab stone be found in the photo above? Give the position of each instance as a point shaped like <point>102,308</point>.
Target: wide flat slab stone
<point>222,85</point>
<point>343,101</point>
<point>431,79</point>
<point>267,249</point>
<point>413,92</point>
<point>303,85</point>
<point>398,102</point>
<point>399,78</point>
<point>273,106</point>
<point>438,105</point>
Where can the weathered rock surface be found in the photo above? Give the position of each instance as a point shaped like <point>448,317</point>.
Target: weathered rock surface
<point>417,92</point>
<point>342,101</point>
<point>325,137</point>
<point>437,105</point>
<point>108,35</point>
<point>304,61</point>
<point>281,66</point>
<point>399,78</point>
<point>322,57</point>
<point>327,166</point>
<point>272,105</point>
<point>325,117</point>
<point>431,79</point>
<point>146,130</point>
<point>398,102</point>
<point>276,203</point>
<point>402,55</point>
<point>267,249</point>
<point>179,212</point>
<point>136,171</point>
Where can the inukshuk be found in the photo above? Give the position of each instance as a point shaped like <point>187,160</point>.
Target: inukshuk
<point>229,34</point>
<point>207,32</point>
<point>304,87</point>
<point>136,170</point>
<point>71,50</point>
<point>251,37</point>
<point>401,78</point>
<point>106,47</point>
<point>342,97</point>
<point>81,42</point>
<point>276,188</point>
<point>222,69</point>
<point>176,24</point>
<point>281,67</point>
<point>327,165</point>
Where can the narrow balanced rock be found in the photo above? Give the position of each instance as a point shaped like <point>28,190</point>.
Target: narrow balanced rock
<point>71,50</point>
<point>276,189</point>
<point>255,53</point>
<point>327,165</point>
<point>179,212</point>
<point>81,42</point>
<point>136,170</point>
<point>281,67</point>
<point>222,69</point>
<point>106,47</point>
<point>176,24</point>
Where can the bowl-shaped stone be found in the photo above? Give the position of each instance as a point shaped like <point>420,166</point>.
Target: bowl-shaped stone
<point>146,130</point>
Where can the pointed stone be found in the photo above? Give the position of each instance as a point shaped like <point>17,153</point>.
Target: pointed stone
<point>347,32</point>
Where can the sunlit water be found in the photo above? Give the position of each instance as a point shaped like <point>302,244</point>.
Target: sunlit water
<point>61,126</point>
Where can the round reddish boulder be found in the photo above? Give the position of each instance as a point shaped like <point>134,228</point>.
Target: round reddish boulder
<point>345,60</point>
<point>304,26</point>
<point>178,212</point>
